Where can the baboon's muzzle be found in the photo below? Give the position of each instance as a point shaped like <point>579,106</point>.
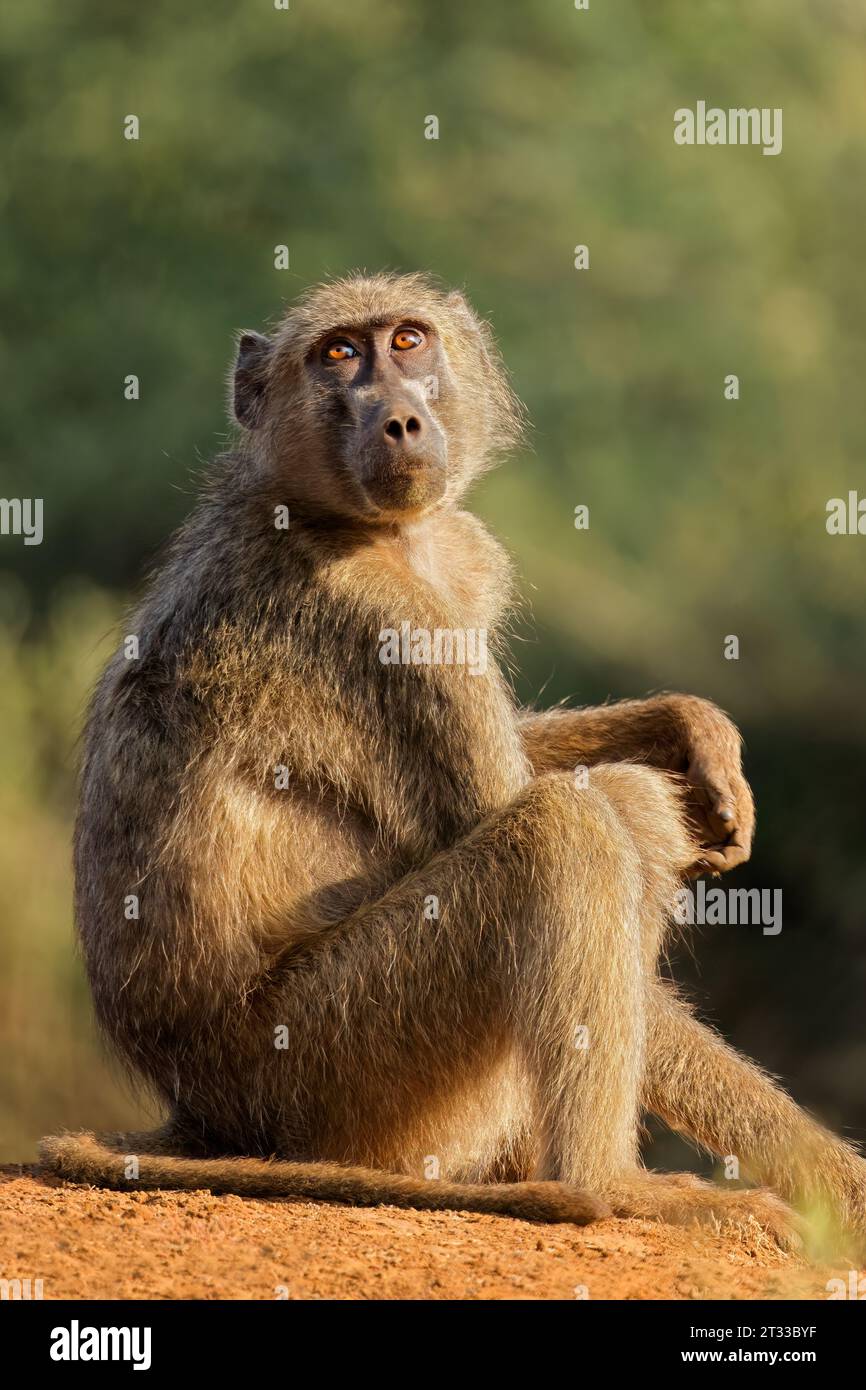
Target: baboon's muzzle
<point>402,455</point>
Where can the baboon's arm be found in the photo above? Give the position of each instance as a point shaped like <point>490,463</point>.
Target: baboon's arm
<point>703,1088</point>
<point>681,734</point>
<point>665,731</point>
<point>651,731</point>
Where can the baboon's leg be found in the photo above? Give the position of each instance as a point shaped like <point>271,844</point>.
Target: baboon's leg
<point>537,944</point>
<point>546,923</point>
<point>491,1137</point>
<point>650,805</point>
<point>704,1088</point>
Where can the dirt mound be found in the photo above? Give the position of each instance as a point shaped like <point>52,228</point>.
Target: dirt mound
<point>85,1243</point>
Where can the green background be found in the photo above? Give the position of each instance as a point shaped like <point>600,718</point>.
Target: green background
<point>261,127</point>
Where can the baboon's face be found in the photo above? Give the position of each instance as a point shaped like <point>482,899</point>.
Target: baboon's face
<point>379,387</point>
<point>379,398</point>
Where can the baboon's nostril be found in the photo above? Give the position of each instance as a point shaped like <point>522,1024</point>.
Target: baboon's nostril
<point>394,429</point>
<point>413,425</point>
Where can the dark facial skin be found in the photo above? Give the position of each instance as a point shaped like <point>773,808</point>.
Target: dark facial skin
<point>378,381</point>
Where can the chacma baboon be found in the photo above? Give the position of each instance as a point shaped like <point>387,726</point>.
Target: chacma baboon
<point>345,907</point>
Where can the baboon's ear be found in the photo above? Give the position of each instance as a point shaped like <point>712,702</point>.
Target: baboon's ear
<point>251,378</point>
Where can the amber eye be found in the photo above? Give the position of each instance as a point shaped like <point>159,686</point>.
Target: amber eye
<point>339,351</point>
<point>406,338</point>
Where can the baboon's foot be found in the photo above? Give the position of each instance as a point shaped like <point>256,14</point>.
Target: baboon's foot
<point>685,1200</point>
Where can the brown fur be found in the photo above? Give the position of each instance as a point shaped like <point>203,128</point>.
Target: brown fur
<point>84,1158</point>
<point>304,907</point>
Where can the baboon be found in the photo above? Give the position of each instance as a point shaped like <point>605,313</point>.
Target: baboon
<point>344,907</point>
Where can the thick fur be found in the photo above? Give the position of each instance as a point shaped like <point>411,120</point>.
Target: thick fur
<point>286,808</point>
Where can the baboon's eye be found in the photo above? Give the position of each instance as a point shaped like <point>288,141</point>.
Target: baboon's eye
<point>406,338</point>
<point>340,351</point>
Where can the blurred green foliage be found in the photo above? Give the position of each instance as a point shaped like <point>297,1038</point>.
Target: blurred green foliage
<point>306,127</point>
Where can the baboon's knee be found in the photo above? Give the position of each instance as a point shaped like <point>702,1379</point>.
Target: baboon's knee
<point>568,820</point>
<point>650,805</point>
<point>582,849</point>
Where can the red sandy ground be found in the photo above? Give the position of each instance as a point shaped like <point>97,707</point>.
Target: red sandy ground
<point>85,1243</point>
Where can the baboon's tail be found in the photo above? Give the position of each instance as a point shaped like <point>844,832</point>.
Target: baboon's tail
<point>133,1161</point>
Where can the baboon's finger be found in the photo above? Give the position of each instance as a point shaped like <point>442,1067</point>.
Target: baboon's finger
<point>722,805</point>
<point>720,857</point>
<point>717,796</point>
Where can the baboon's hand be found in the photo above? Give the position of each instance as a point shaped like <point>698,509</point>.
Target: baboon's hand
<point>718,797</point>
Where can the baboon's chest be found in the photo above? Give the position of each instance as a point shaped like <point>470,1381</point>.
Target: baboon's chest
<point>395,695</point>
